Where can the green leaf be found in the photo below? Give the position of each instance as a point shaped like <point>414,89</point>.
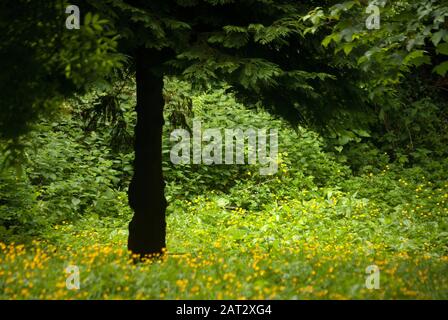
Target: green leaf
<point>443,48</point>
<point>417,58</point>
<point>348,47</point>
<point>327,40</point>
<point>336,37</point>
<point>441,69</point>
<point>437,37</point>
<point>88,18</point>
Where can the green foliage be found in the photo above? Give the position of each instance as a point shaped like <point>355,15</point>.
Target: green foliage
<point>361,180</point>
<point>309,231</point>
<point>305,159</point>
<point>411,34</point>
<point>18,206</point>
<point>73,169</point>
<point>314,246</point>
<point>402,68</point>
<point>71,181</point>
<point>420,127</point>
<point>42,62</point>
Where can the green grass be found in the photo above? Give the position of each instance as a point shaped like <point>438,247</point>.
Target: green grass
<point>316,245</point>
<point>308,232</point>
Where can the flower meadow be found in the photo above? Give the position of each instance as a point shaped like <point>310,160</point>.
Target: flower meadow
<point>312,248</point>
<point>308,232</point>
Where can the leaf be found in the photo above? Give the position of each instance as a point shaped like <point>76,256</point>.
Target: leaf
<point>443,48</point>
<point>222,202</point>
<point>347,34</point>
<point>417,58</point>
<point>437,37</point>
<point>344,139</point>
<point>336,37</point>
<point>441,69</point>
<point>327,40</point>
<point>88,18</point>
<point>348,47</point>
<point>362,133</point>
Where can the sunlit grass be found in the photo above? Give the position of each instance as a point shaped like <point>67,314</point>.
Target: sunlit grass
<point>303,248</point>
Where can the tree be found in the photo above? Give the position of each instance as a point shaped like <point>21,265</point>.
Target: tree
<point>402,61</point>
<point>42,62</point>
<point>410,34</point>
<point>258,46</point>
<point>252,44</point>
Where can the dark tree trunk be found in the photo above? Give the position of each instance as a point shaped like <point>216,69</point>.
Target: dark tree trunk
<point>147,228</point>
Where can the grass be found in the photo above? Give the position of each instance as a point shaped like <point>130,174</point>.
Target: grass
<point>309,232</point>
<point>315,245</point>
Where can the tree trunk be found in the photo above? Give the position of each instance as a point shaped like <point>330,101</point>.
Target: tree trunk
<point>147,228</point>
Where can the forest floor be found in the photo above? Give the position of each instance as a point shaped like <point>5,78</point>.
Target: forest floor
<point>297,249</point>
<point>317,229</point>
